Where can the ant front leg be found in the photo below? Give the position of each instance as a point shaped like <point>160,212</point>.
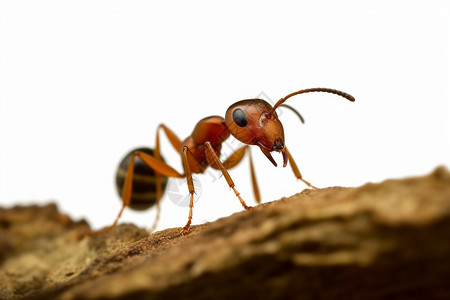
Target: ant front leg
<point>253,175</point>
<point>296,171</point>
<point>212,157</point>
<point>235,158</point>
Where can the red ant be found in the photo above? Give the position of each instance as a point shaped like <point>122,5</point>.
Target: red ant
<point>251,121</point>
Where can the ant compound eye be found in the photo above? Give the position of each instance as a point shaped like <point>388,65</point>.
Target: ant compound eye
<point>240,118</point>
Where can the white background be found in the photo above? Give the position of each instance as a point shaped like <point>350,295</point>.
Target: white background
<point>83,82</point>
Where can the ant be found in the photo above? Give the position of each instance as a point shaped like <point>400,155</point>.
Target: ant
<point>254,122</point>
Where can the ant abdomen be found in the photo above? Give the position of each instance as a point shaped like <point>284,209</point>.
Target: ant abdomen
<point>144,181</point>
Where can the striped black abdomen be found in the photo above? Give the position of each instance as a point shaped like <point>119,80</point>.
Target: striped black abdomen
<point>144,181</point>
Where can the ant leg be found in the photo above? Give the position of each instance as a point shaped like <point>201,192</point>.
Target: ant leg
<point>296,171</point>
<point>190,182</point>
<point>235,158</point>
<point>160,168</point>
<point>153,163</point>
<point>175,141</point>
<point>126,197</point>
<point>253,175</point>
<point>158,202</point>
<point>211,155</point>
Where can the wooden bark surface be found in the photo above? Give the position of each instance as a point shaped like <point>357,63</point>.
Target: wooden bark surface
<point>379,241</point>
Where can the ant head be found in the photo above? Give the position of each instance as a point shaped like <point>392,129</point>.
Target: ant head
<point>254,122</point>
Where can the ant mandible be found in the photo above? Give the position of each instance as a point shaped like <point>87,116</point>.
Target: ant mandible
<point>251,121</point>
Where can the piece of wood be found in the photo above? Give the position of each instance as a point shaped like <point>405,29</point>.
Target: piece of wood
<point>378,241</point>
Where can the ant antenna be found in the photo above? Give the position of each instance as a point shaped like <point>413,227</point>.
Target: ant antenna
<point>324,90</point>
<point>295,111</point>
